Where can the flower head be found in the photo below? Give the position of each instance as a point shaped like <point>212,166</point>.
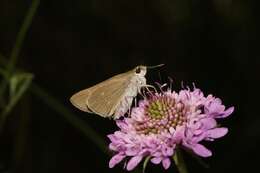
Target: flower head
<point>164,121</point>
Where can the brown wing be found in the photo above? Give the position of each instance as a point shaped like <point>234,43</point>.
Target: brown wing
<point>79,99</point>
<point>105,99</point>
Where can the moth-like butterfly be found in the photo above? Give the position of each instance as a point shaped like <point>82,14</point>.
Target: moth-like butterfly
<point>114,96</point>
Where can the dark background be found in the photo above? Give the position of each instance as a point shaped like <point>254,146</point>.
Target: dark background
<point>73,44</point>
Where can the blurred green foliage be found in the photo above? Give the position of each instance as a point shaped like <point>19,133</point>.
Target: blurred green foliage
<point>16,82</point>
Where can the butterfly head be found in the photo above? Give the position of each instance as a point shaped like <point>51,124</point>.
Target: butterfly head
<point>140,70</point>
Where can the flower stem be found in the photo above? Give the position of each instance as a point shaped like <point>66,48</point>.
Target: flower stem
<point>53,103</point>
<point>179,161</point>
<point>21,35</point>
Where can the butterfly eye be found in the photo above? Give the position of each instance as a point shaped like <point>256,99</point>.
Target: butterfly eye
<point>138,70</point>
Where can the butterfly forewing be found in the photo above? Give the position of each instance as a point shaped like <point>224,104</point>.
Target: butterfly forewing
<point>105,99</point>
<point>112,97</point>
<point>79,99</point>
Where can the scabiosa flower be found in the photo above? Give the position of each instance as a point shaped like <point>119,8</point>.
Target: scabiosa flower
<point>164,121</point>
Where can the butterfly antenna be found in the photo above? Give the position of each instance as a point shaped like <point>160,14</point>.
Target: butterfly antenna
<point>155,66</point>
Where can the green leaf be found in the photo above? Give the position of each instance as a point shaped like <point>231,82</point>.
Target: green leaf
<point>21,35</point>
<point>10,65</point>
<point>146,162</point>
<point>18,83</point>
<point>4,82</point>
<point>21,84</point>
<point>17,80</point>
<point>3,88</point>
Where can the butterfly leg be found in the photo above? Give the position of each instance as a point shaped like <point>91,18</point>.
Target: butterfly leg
<point>129,103</point>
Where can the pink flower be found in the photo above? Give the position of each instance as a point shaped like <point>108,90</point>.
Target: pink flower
<point>164,121</point>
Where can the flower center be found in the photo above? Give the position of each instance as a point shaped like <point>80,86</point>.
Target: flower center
<point>161,114</point>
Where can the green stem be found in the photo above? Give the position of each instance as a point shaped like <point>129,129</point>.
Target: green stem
<point>22,149</point>
<point>179,161</point>
<point>65,112</point>
<point>21,35</point>
<point>13,101</point>
<point>4,82</point>
<point>70,117</point>
<point>17,46</point>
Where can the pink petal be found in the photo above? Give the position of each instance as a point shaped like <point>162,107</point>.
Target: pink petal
<point>115,160</point>
<point>121,124</point>
<point>217,132</point>
<point>167,151</point>
<point>197,132</point>
<point>208,123</point>
<point>112,146</point>
<point>199,137</point>
<point>112,137</point>
<point>179,134</point>
<point>157,154</point>
<point>216,106</point>
<point>156,160</point>
<point>166,163</point>
<point>133,162</point>
<point>197,125</point>
<point>132,151</point>
<point>201,150</point>
<point>137,114</point>
<point>151,143</point>
<point>227,112</point>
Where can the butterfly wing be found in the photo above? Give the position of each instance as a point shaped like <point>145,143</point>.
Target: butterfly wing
<point>79,99</point>
<point>106,97</point>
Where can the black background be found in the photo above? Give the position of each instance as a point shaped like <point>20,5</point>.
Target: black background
<point>73,44</point>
